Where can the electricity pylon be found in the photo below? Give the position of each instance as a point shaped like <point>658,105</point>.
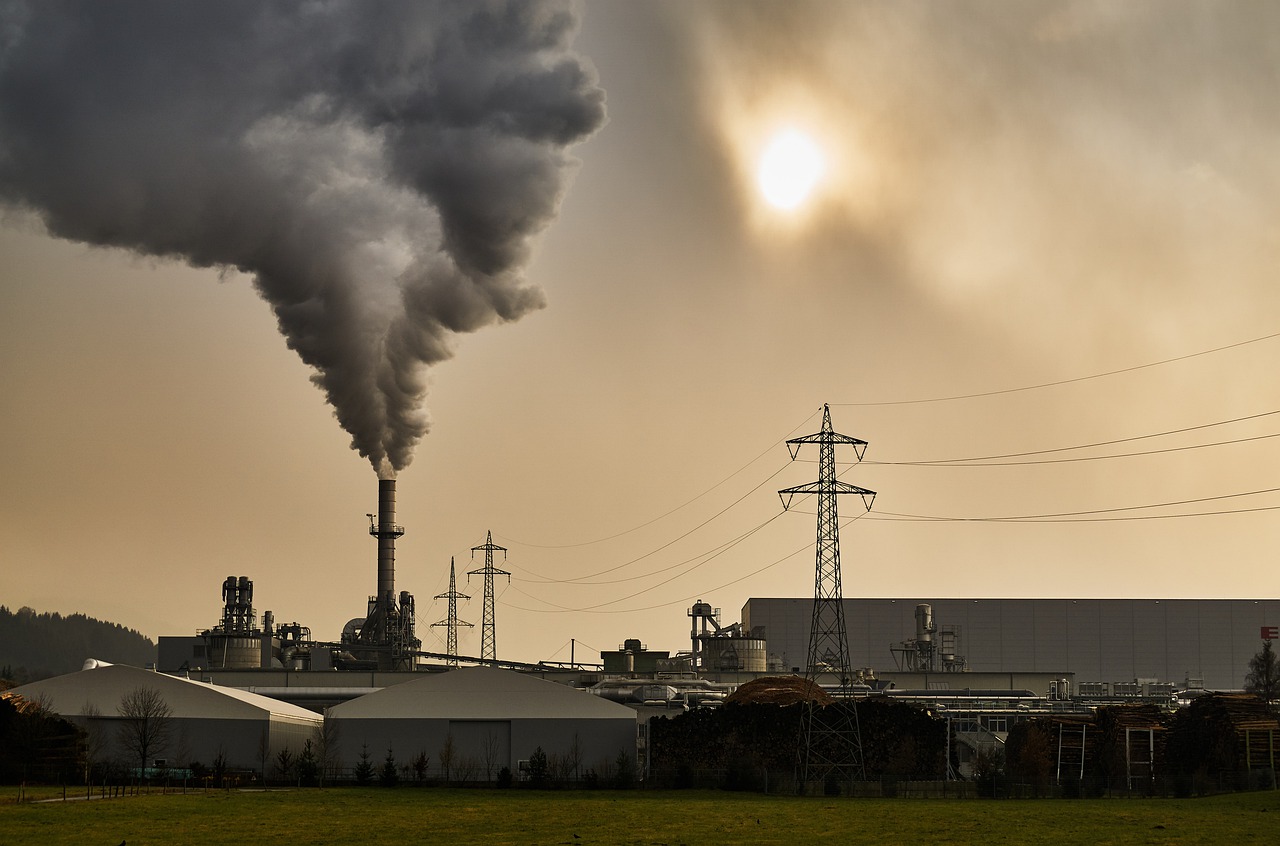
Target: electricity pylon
<point>488,633</point>
<point>452,621</point>
<point>830,742</point>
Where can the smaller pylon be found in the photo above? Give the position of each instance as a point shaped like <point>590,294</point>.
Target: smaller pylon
<point>452,621</point>
<point>488,630</point>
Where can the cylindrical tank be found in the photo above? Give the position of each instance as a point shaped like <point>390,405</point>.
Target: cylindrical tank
<point>229,652</point>
<point>746,654</point>
<point>924,623</point>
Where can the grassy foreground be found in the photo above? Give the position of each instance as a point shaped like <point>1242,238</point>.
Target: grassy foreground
<point>696,818</point>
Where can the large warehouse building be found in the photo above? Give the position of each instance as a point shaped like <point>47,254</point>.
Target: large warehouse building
<point>1094,640</point>
<point>489,718</point>
<point>205,721</point>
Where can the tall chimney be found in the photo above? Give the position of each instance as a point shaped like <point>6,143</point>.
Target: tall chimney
<point>386,532</point>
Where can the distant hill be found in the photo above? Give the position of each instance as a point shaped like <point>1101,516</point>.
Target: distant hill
<point>35,646</point>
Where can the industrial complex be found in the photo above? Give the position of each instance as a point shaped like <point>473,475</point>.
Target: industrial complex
<point>247,687</point>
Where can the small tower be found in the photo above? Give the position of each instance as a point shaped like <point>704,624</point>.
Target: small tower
<point>452,622</point>
<point>488,634</point>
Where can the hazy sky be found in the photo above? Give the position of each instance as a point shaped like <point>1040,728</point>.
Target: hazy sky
<point>1012,195</point>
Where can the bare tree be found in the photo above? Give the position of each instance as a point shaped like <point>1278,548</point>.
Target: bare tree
<point>182,751</point>
<point>446,756</point>
<point>467,767</point>
<point>574,758</point>
<point>95,739</point>
<point>558,768</point>
<point>146,725</point>
<point>492,746</point>
<point>264,752</point>
<point>325,740</point>
<point>219,767</point>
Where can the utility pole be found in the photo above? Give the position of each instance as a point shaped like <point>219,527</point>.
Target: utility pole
<point>452,621</point>
<point>830,742</point>
<point>488,635</point>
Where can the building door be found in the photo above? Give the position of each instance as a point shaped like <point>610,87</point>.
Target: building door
<point>482,748</point>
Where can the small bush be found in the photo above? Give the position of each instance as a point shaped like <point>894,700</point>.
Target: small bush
<point>389,776</point>
<point>625,777</point>
<point>538,769</point>
<point>364,769</point>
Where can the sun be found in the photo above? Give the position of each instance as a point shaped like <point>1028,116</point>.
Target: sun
<point>789,169</point>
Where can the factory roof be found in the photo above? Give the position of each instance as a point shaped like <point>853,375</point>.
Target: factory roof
<point>100,687</point>
<point>481,693</point>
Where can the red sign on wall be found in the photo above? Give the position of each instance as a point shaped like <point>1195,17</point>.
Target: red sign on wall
<point>1271,632</point>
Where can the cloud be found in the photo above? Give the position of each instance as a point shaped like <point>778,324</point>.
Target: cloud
<point>1021,160</point>
<point>381,170</point>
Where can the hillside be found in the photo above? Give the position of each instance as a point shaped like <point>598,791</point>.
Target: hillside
<point>35,646</point>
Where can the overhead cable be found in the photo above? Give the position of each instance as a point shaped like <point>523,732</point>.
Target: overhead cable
<point>1060,381</point>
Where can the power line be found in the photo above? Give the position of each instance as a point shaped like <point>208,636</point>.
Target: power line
<point>962,461</point>
<point>958,463</point>
<point>596,608</point>
<point>582,579</point>
<point>1031,518</point>
<point>664,515</point>
<point>1060,381</point>
<point>807,547</point>
<point>1091,519</point>
<point>586,580</point>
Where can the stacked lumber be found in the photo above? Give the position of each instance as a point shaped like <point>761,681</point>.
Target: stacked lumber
<point>1208,737</point>
<point>898,739</point>
<point>1240,710</point>
<point>1065,737</point>
<point>1132,744</point>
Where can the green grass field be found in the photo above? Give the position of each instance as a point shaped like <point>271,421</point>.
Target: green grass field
<point>696,818</point>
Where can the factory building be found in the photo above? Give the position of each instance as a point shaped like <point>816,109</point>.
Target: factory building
<point>1183,642</point>
<point>493,718</point>
<point>205,720</point>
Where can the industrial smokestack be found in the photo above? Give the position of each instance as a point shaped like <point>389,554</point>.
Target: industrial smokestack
<point>386,531</point>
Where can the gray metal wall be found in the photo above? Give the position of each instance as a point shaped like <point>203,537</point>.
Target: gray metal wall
<point>1095,639</point>
<point>202,739</point>
<point>598,741</point>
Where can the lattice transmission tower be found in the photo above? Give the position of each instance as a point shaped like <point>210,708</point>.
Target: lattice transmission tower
<point>830,741</point>
<point>451,621</point>
<point>488,633</point>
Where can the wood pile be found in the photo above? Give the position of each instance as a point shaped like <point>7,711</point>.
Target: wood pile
<point>1070,746</point>
<point>901,740</point>
<point>1208,738</point>
<point>37,745</point>
<point>898,739</point>
<point>1132,742</point>
<point>778,690</point>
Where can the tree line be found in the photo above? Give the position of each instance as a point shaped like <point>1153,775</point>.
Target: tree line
<point>36,646</point>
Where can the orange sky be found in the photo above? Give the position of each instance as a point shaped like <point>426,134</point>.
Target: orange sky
<point>1016,196</point>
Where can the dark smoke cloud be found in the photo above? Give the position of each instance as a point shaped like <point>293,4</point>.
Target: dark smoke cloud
<point>379,168</point>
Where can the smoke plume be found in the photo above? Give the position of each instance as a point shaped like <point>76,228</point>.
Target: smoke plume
<point>379,169</point>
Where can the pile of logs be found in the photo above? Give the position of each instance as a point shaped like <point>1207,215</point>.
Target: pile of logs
<point>1224,737</point>
<point>897,739</point>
